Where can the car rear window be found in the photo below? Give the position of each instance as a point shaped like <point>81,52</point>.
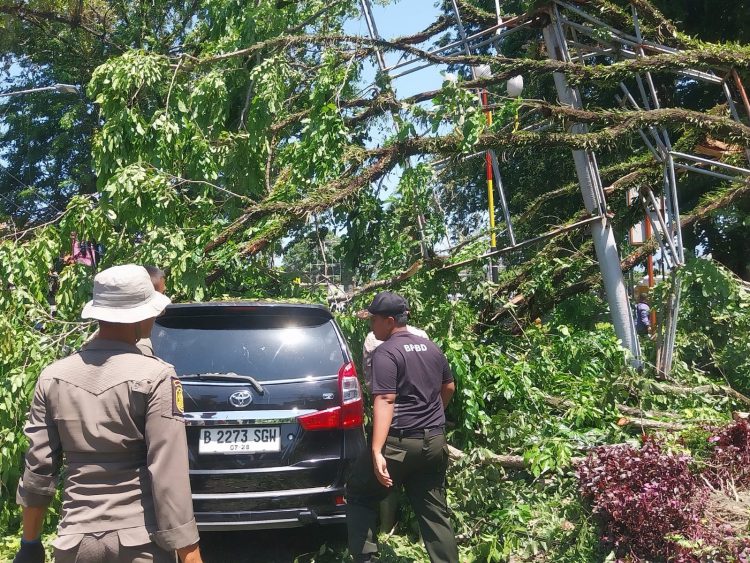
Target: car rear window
<point>267,347</point>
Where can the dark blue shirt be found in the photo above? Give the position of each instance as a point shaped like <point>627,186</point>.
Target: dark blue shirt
<point>642,317</point>
<point>414,369</point>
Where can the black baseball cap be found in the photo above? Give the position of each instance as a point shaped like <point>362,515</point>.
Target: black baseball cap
<point>388,304</point>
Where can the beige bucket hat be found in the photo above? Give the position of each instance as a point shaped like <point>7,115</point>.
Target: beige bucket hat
<point>124,294</point>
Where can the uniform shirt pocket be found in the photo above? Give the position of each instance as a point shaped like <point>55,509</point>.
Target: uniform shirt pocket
<point>131,537</point>
<point>67,542</point>
<point>139,393</point>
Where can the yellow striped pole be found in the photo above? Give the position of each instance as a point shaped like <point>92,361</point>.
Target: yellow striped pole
<point>490,193</point>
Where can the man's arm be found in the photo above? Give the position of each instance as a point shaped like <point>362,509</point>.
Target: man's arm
<point>167,460</point>
<point>42,464</point>
<point>39,480</point>
<point>446,393</point>
<point>31,550</point>
<point>33,520</point>
<point>448,386</point>
<point>384,382</point>
<point>381,422</point>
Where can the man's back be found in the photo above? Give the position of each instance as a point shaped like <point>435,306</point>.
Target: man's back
<point>110,409</point>
<point>415,369</point>
<point>369,346</point>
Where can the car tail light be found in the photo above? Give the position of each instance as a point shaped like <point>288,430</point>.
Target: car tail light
<point>349,414</point>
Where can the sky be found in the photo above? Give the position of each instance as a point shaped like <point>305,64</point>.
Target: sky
<point>400,18</point>
<point>404,17</point>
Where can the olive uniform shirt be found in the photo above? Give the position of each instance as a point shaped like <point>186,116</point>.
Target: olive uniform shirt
<point>113,416</point>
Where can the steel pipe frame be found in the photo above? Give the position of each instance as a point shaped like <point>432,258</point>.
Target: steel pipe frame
<point>662,139</point>
<point>592,53</point>
<point>454,44</point>
<point>59,88</point>
<point>705,172</point>
<point>492,267</point>
<point>664,229</point>
<point>632,40</point>
<point>733,111</point>
<point>670,176</point>
<point>503,202</point>
<point>458,43</point>
<point>599,195</point>
<point>637,44</point>
<point>527,242</point>
<point>664,253</point>
<point>649,146</point>
<point>666,352</point>
<point>743,171</point>
<point>632,54</point>
<point>657,138</point>
<point>373,30</point>
<point>666,356</point>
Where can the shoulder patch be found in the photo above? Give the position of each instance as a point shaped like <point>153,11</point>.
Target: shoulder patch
<point>178,398</point>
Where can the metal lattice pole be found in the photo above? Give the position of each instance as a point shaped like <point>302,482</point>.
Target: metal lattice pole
<point>590,183</point>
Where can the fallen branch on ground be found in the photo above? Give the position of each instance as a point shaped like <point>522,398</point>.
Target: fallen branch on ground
<point>668,388</point>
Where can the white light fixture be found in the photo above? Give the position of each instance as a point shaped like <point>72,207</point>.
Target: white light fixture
<point>66,88</point>
<point>60,88</point>
<point>515,86</point>
<point>482,71</point>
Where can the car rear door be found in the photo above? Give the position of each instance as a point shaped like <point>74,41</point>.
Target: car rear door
<point>263,400</point>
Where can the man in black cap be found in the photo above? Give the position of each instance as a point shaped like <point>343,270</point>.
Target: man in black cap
<point>411,385</point>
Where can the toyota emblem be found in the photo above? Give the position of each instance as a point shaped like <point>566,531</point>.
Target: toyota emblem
<point>241,398</point>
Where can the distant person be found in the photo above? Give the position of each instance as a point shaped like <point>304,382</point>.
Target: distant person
<point>643,315</point>
<point>158,280</point>
<point>411,385</point>
<point>111,418</point>
<point>371,343</point>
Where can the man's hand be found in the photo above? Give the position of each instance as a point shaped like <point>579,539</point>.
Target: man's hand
<point>362,315</point>
<point>381,469</point>
<point>190,554</point>
<point>30,552</point>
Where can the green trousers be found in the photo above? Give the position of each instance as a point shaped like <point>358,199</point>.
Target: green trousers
<point>419,465</point>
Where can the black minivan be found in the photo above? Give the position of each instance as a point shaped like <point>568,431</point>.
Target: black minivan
<point>273,411</point>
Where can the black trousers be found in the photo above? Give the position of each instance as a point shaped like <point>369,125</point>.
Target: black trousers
<point>419,464</point>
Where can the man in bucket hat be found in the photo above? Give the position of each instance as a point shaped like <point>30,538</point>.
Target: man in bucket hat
<point>115,416</point>
<point>411,386</point>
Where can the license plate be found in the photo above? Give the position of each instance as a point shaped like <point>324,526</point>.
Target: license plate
<point>252,439</point>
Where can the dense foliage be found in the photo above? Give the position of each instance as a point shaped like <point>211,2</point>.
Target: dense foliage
<point>643,496</point>
<point>654,503</point>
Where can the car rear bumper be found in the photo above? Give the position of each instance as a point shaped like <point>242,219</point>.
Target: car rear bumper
<point>281,509</point>
<point>267,519</point>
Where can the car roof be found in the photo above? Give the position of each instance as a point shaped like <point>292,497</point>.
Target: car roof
<point>253,302</point>
<point>259,306</point>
